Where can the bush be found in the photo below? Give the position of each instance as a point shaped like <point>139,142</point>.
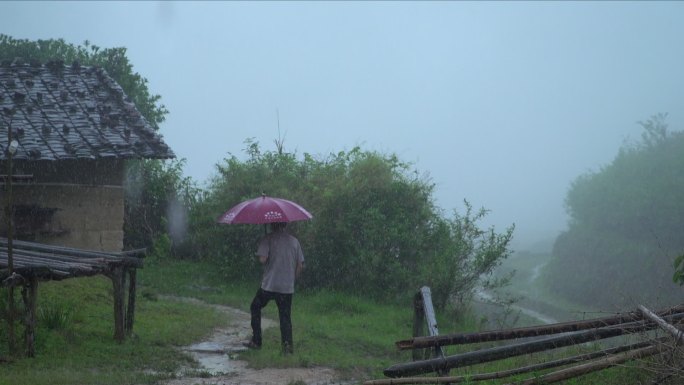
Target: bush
<point>375,231</point>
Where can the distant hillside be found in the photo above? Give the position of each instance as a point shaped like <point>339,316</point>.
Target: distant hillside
<point>626,226</point>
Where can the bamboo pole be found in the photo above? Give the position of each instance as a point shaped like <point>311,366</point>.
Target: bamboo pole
<point>22,261</point>
<point>77,266</point>
<point>500,352</point>
<point>583,369</point>
<point>135,253</point>
<point>509,372</point>
<point>130,258</point>
<point>57,257</point>
<point>534,331</point>
<point>676,333</point>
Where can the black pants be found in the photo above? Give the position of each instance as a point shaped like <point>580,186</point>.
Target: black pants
<point>284,303</point>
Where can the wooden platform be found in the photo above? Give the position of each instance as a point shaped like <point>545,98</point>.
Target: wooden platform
<point>36,262</point>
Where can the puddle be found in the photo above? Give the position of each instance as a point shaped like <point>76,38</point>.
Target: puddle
<point>218,356</point>
<point>219,353</point>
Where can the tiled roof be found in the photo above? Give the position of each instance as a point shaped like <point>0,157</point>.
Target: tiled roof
<point>59,112</point>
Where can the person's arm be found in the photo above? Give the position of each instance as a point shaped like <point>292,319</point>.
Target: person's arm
<point>300,267</point>
<point>264,250</point>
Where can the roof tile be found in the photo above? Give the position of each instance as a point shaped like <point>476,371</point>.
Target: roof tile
<point>65,112</point>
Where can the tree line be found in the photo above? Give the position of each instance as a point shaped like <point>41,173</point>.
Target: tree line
<point>626,225</point>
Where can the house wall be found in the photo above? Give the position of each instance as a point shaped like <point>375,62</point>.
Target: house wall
<point>86,198</point>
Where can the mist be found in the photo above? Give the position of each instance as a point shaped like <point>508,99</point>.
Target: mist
<point>502,104</point>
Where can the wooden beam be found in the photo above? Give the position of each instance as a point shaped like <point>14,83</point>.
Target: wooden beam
<point>534,331</point>
<point>580,370</point>
<point>24,245</point>
<point>500,352</point>
<point>94,260</point>
<point>676,333</point>
<point>510,372</point>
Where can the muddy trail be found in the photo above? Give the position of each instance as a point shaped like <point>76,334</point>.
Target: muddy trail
<point>219,357</point>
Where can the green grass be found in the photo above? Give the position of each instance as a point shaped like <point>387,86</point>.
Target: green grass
<point>83,351</point>
<point>356,337</point>
<point>352,335</point>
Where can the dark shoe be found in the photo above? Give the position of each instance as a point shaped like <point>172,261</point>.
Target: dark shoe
<point>251,345</point>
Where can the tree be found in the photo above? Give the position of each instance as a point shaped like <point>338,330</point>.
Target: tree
<point>625,224</point>
<point>157,200</point>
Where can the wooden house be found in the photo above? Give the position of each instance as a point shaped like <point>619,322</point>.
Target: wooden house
<point>76,129</point>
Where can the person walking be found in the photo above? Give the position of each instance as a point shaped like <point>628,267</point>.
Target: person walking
<point>281,256</point>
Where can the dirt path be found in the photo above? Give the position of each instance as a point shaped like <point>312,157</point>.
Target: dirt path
<point>219,356</point>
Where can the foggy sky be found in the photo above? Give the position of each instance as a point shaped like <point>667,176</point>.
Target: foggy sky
<point>502,103</point>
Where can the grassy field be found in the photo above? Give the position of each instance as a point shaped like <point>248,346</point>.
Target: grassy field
<point>353,335</point>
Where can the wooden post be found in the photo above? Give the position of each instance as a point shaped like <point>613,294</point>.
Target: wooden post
<point>418,319</point>
<point>9,211</point>
<point>118,280</point>
<point>29,293</point>
<point>431,320</point>
<point>130,312</point>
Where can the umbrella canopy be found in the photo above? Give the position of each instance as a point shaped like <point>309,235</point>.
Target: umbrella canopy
<point>265,210</point>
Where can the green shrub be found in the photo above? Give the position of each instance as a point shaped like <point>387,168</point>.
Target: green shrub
<point>375,231</point>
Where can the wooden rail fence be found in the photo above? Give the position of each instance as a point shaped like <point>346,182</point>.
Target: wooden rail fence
<point>548,337</point>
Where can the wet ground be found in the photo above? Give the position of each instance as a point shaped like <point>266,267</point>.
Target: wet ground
<point>219,357</point>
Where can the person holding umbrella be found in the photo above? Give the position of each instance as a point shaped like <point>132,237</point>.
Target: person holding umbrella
<point>281,256</point>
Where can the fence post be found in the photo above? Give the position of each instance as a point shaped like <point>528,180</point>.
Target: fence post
<point>418,319</point>
<point>431,320</point>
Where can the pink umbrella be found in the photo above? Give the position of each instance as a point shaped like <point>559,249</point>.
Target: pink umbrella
<point>265,210</point>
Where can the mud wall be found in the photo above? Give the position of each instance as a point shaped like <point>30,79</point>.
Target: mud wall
<point>77,204</point>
